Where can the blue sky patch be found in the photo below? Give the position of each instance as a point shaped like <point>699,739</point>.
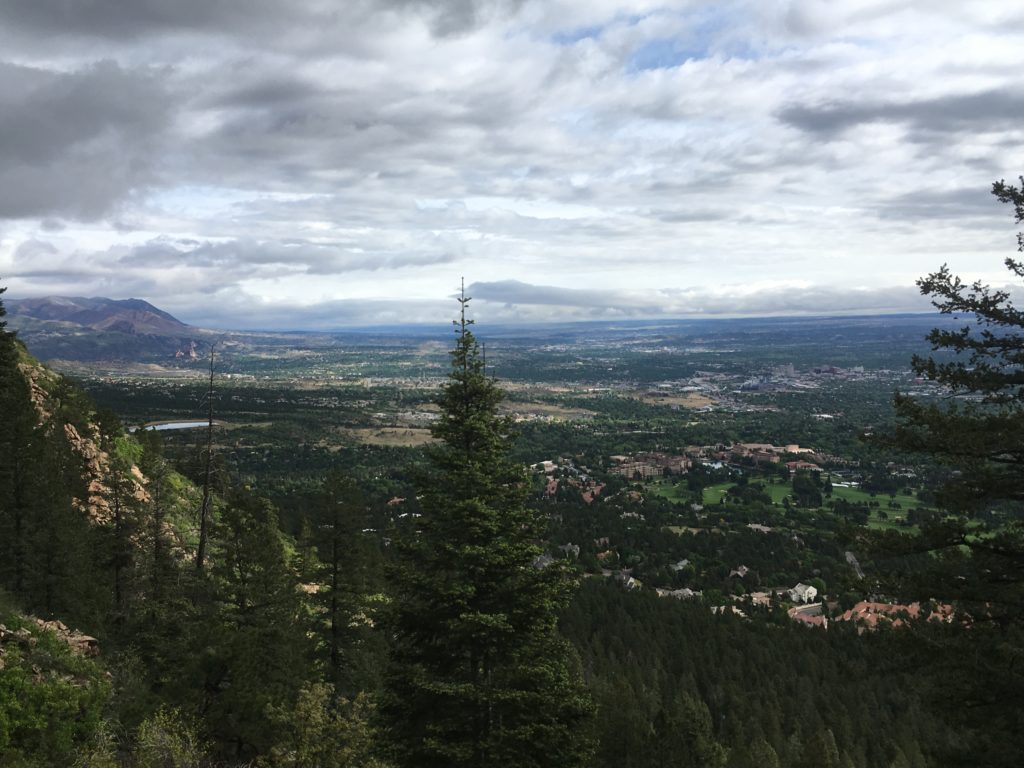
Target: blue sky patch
<point>572,36</point>
<point>662,54</point>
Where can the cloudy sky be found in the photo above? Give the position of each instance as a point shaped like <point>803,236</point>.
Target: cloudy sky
<point>323,163</point>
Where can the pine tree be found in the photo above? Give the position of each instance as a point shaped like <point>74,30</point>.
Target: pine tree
<point>975,555</point>
<point>820,751</point>
<point>15,487</point>
<point>341,568</point>
<point>757,753</point>
<point>684,736</point>
<point>257,649</point>
<point>204,508</point>
<point>480,675</point>
<point>18,434</point>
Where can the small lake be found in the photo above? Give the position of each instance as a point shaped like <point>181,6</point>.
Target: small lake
<point>160,426</point>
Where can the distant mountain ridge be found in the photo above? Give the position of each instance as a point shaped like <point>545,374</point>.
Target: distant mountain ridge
<point>75,328</point>
<point>130,316</point>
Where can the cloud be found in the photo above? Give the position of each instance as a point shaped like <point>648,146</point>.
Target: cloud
<point>732,301</point>
<point>942,205</point>
<point>247,313</point>
<point>992,111</point>
<point>162,266</point>
<point>76,144</point>
<point>115,19</point>
<point>297,256</point>
<point>498,303</point>
<point>640,155</point>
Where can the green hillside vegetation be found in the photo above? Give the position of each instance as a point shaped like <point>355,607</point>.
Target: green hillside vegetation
<point>53,698</point>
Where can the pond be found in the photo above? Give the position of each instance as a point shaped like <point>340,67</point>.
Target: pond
<point>160,426</point>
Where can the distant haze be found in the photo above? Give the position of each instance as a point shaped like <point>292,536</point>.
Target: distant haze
<point>310,164</point>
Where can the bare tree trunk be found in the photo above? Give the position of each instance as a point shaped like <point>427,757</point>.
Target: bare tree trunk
<point>157,575</point>
<point>204,510</point>
<point>118,549</point>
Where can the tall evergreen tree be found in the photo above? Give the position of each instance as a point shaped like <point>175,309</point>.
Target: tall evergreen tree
<point>257,646</point>
<point>684,736</point>
<point>341,568</point>
<point>19,433</point>
<point>975,555</point>
<point>480,675</point>
<point>46,544</point>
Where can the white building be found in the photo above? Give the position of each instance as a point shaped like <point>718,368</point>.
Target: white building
<point>803,593</point>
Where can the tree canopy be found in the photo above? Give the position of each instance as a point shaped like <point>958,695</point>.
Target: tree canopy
<point>480,676</point>
<point>975,554</point>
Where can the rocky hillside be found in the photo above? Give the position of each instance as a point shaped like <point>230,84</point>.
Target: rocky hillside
<point>84,440</point>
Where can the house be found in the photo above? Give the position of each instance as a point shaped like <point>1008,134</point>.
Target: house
<point>671,463</point>
<point>719,609</point>
<point>803,593</point>
<point>679,594</point>
<point>794,466</point>
<point>627,581</point>
<point>634,470</point>
<point>759,528</point>
<point>543,561</point>
<point>592,492</point>
<point>741,571</point>
<point>570,549</point>
<point>680,565</point>
<point>810,615</point>
<point>872,615</point>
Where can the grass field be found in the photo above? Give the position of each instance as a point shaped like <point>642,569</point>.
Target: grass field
<point>778,491</point>
<point>669,491</point>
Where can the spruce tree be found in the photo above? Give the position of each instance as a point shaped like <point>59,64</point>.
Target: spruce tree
<point>19,434</point>
<point>974,555</point>
<point>258,647</point>
<point>480,675</point>
<point>342,569</point>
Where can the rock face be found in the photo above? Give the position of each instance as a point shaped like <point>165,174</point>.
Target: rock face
<point>97,468</point>
<point>25,639</point>
<point>79,643</point>
<point>34,375</point>
<point>96,462</point>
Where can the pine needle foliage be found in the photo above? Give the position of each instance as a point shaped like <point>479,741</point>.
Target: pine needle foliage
<point>480,675</point>
<point>975,555</point>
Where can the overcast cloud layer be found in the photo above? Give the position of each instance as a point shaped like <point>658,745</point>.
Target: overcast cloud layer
<point>312,163</point>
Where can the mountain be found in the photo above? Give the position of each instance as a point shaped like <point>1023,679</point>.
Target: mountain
<point>99,329</point>
<point>133,316</point>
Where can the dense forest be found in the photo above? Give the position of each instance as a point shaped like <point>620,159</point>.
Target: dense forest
<point>156,611</point>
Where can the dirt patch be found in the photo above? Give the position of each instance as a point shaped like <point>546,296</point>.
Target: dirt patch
<point>546,410</point>
<point>681,529</point>
<point>691,400</point>
<point>392,437</point>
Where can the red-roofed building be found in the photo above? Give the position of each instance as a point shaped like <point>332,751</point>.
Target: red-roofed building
<point>872,615</point>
